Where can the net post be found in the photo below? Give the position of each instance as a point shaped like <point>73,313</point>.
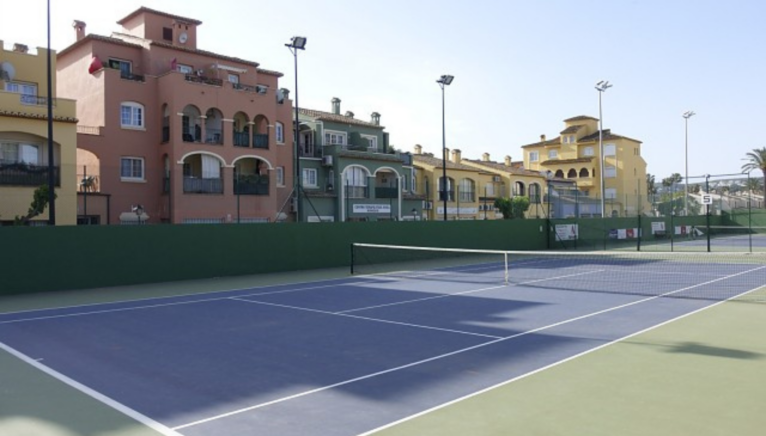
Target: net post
<point>352,258</point>
<point>505,255</point>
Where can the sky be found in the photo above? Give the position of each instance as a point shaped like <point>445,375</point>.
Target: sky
<point>520,67</point>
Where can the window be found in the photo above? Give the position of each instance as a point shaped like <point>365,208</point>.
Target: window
<point>280,132</point>
<point>489,189</point>
<point>132,168</point>
<point>332,138</point>
<point>167,33</point>
<point>280,176</point>
<point>125,67</point>
<point>233,78</point>
<point>13,152</point>
<point>553,154</point>
<point>587,151</point>
<point>403,182</point>
<point>356,182</point>
<point>21,88</point>
<point>565,139</point>
<point>414,183</point>
<point>186,69</point>
<point>372,142</point>
<point>610,172</point>
<point>610,193</point>
<point>609,150</point>
<point>310,177</point>
<point>466,190</point>
<point>132,115</point>
<point>572,139</point>
<point>534,156</point>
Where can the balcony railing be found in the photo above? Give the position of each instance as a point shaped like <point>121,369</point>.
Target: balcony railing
<point>196,185</point>
<point>450,195</point>
<point>22,174</point>
<point>213,136</point>
<point>192,137</point>
<point>386,192</point>
<point>35,100</point>
<point>241,139</point>
<point>260,140</point>
<point>309,150</point>
<point>357,191</point>
<point>130,76</point>
<point>251,185</point>
<point>202,79</point>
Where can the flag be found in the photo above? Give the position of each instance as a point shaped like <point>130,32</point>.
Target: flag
<point>95,65</point>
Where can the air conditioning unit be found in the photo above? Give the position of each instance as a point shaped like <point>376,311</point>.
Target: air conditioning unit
<point>327,161</point>
<point>496,179</point>
<point>427,205</point>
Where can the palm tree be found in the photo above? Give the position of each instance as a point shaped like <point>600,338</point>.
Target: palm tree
<point>756,160</point>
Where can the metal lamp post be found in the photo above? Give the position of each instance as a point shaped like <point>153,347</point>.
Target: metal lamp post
<point>601,87</point>
<point>296,43</point>
<point>443,81</point>
<point>686,115</point>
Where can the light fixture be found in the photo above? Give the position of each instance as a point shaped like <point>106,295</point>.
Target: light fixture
<point>297,42</point>
<point>445,80</point>
<point>601,87</point>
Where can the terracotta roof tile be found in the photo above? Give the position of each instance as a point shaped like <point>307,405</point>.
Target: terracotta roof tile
<point>94,37</point>
<point>205,53</point>
<point>17,114</point>
<point>329,116</point>
<point>608,135</point>
<point>514,169</point>
<point>567,161</point>
<point>572,129</point>
<point>436,162</point>
<point>156,12</point>
<point>555,141</point>
<point>580,118</point>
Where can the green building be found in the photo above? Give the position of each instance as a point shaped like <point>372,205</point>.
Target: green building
<point>349,171</point>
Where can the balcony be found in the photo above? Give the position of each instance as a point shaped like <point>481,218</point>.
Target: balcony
<point>261,141</point>
<point>450,195</point>
<point>241,139</point>
<point>22,174</point>
<point>196,185</point>
<point>204,80</point>
<point>35,100</point>
<point>130,76</point>
<point>386,192</point>
<point>214,136</point>
<point>251,185</point>
<point>357,192</point>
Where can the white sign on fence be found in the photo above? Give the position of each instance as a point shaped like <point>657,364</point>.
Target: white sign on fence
<point>372,208</point>
<point>566,232</point>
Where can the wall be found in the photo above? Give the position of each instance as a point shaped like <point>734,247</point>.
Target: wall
<point>78,257</point>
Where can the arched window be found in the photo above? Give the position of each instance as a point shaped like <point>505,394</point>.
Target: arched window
<point>450,191</point>
<point>355,182</point>
<point>534,193</point>
<point>519,189</point>
<point>559,174</point>
<point>131,115</point>
<point>280,132</point>
<point>584,173</point>
<point>467,190</point>
<point>572,174</point>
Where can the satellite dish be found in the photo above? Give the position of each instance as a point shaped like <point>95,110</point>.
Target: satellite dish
<point>8,71</point>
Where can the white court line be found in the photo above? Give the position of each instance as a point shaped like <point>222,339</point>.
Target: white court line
<point>434,297</point>
<point>385,321</point>
<point>552,365</point>
<point>452,353</point>
<point>138,300</point>
<point>154,306</point>
<point>143,419</point>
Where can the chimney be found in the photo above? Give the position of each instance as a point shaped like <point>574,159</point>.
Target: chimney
<point>79,29</point>
<point>20,48</point>
<point>375,118</point>
<point>542,138</point>
<point>336,105</point>
<point>418,149</point>
<point>485,157</point>
<point>508,161</point>
<point>349,114</point>
<point>456,156</point>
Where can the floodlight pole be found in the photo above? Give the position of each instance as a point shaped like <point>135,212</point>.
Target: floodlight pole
<point>51,175</point>
<point>686,115</point>
<point>297,43</point>
<point>601,87</point>
<point>444,81</point>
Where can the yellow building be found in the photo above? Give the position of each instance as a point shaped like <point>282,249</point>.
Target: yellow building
<point>24,137</point>
<point>574,155</point>
<point>522,182</point>
<point>470,191</point>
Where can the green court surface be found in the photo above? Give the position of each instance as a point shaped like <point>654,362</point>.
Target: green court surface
<point>699,375</point>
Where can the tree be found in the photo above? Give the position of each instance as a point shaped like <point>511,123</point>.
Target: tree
<point>512,208</point>
<point>672,180</point>
<point>651,189</point>
<point>39,203</point>
<point>756,161</point>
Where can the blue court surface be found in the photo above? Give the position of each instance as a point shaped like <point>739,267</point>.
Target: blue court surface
<point>345,357</point>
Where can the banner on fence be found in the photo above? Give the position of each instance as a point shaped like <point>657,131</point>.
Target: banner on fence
<point>566,232</point>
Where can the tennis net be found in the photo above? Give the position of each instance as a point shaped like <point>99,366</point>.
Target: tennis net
<point>717,276</point>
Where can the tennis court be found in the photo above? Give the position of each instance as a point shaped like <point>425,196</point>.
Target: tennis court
<point>410,331</point>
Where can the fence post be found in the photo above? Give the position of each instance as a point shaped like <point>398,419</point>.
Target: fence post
<point>638,247</point>
<point>707,212</point>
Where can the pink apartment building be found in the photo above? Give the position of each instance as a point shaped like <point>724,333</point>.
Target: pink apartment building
<point>189,135</point>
